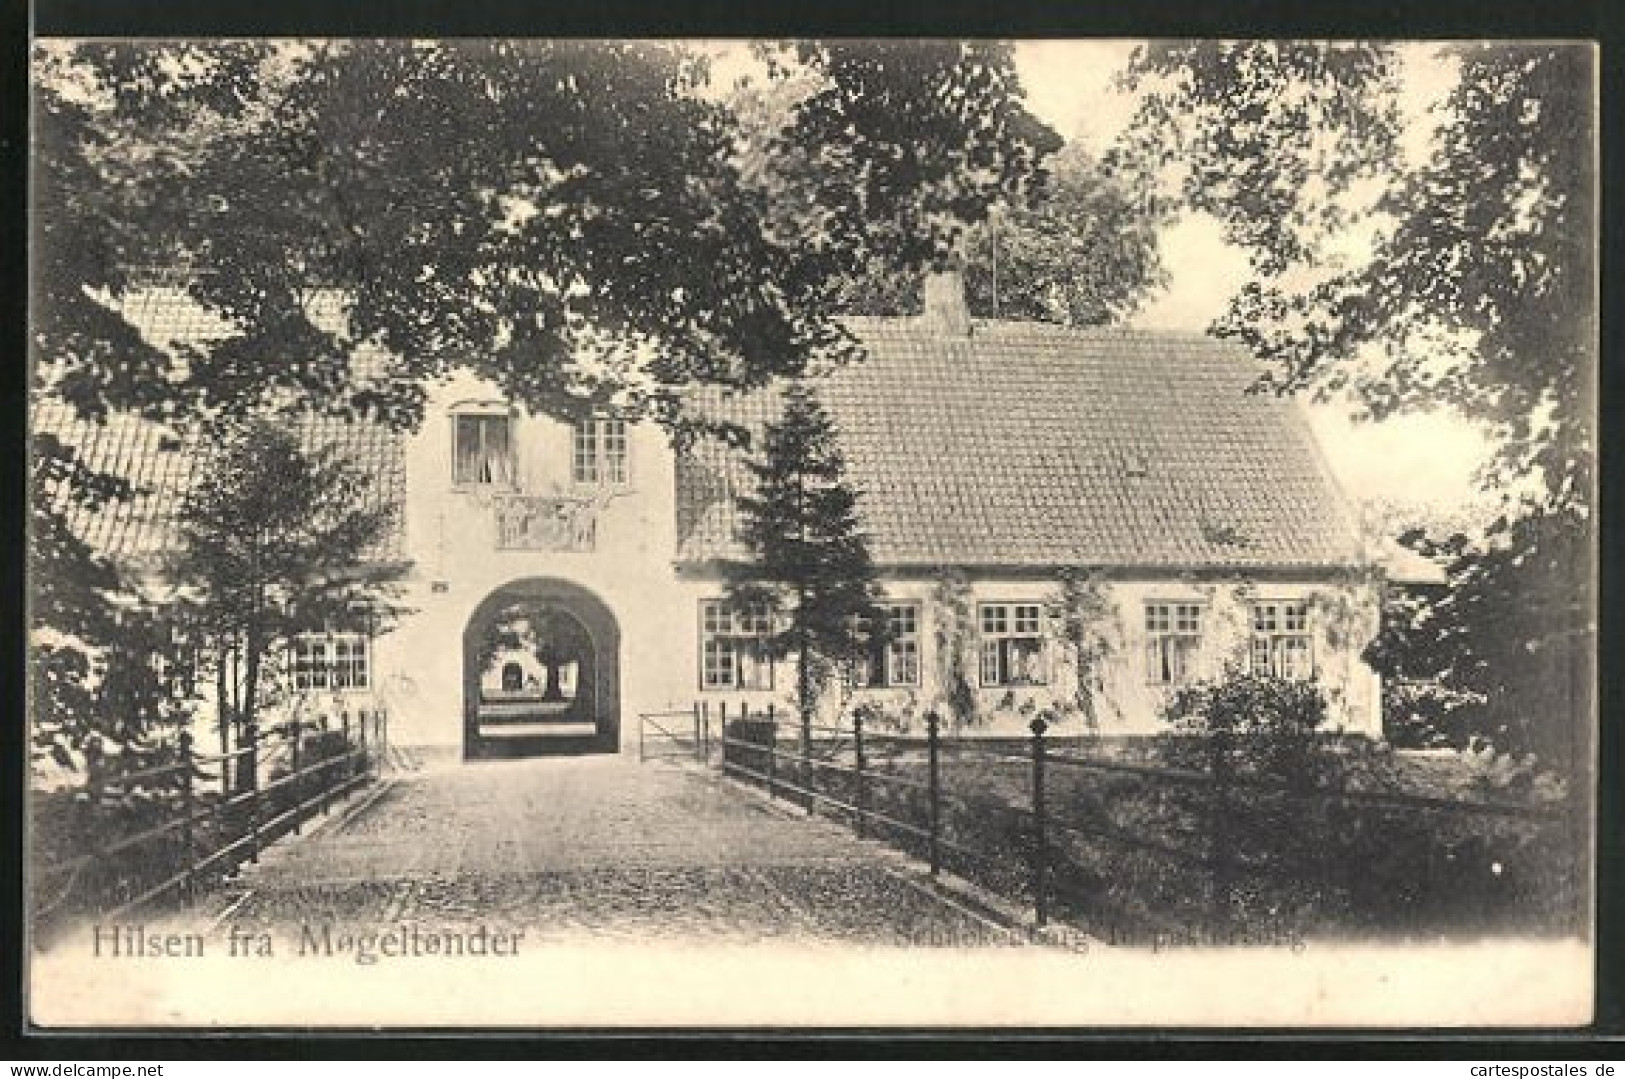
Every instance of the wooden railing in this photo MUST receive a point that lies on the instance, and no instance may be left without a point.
(672, 734)
(206, 813)
(1017, 839)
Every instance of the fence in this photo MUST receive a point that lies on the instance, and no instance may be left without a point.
(1227, 853)
(672, 734)
(196, 816)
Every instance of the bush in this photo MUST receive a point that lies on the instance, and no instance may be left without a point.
(1309, 861)
(1255, 724)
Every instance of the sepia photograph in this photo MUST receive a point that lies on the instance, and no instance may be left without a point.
(583, 534)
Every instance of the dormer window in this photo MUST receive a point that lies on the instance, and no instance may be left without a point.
(600, 455)
(482, 451)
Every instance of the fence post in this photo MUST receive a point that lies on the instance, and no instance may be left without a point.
(251, 783)
(221, 815)
(772, 751)
(699, 744)
(934, 788)
(640, 739)
(328, 782)
(704, 710)
(1222, 852)
(1040, 839)
(227, 764)
(724, 724)
(298, 783)
(805, 772)
(860, 791)
(188, 848)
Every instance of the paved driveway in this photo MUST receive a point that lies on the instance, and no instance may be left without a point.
(594, 847)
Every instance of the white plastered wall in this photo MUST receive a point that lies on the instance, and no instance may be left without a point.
(450, 539)
(1342, 621)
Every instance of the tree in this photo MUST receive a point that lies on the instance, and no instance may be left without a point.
(810, 566)
(1476, 293)
(274, 542)
(571, 219)
(1506, 640)
(1080, 251)
(81, 689)
(1074, 247)
(550, 638)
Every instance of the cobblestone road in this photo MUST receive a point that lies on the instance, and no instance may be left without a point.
(601, 847)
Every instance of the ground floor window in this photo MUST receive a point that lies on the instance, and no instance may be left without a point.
(334, 661)
(733, 646)
(1012, 644)
(1280, 642)
(1173, 637)
(895, 657)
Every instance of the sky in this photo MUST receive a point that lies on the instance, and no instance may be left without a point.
(1414, 458)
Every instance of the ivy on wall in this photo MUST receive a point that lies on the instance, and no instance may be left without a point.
(954, 619)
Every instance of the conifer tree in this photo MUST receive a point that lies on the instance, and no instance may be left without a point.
(810, 564)
(277, 541)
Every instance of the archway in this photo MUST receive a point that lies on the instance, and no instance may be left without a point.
(541, 672)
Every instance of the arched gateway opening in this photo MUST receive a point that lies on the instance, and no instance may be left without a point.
(541, 673)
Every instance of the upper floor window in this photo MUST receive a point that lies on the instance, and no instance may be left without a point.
(733, 646)
(1173, 636)
(332, 661)
(1280, 640)
(1012, 644)
(895, 659)
(482, 451)
(600, 451)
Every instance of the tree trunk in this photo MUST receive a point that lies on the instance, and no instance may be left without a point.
(803, 674)
(804, 693)
(250, 707)
(222, 683)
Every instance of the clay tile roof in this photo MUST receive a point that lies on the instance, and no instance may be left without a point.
(161, 467)
(161, 464)
(1029, 445)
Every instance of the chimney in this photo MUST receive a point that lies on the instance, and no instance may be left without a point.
(945, 311)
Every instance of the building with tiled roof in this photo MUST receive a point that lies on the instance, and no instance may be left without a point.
(162, 464)
(991, 461)
(1068, 447)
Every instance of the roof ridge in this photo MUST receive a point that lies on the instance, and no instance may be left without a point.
(1034, 326)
